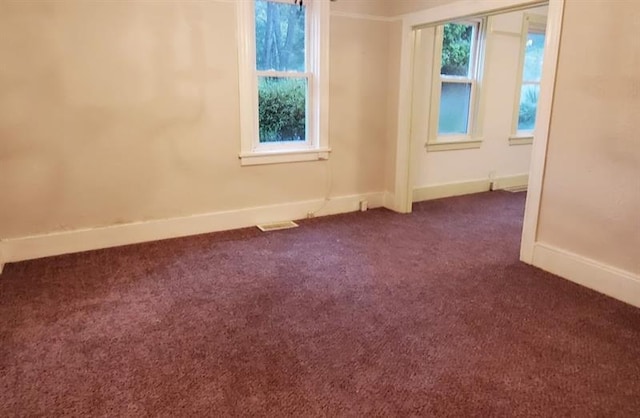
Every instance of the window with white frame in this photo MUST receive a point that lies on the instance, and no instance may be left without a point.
(457, 69)
(528, 89)
(283, 62)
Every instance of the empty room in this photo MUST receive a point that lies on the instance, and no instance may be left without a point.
(319, 208)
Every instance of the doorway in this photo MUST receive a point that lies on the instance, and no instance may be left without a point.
(409, 150)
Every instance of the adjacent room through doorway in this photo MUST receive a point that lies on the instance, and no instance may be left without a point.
(476, 84)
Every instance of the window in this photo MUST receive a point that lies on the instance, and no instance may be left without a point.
(528, 88)
(457, 55)
(283, 62)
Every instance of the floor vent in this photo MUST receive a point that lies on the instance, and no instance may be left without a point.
(516, 189)
(277, 226)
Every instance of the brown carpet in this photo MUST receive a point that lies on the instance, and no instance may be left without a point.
(364, 314)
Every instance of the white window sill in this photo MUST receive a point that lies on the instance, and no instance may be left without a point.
(453, 145)
(284, 156)
(526, 139)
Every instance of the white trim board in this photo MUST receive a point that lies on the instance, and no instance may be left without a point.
(389, 200)
(541, 132)
(619, 284)
(465, 8)
(438, 191)
(64, 242)
(506, 182)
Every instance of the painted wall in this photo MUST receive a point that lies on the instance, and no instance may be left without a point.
(386, 8)
(379, 8)
(496, 158)
(591, 193)
(398, 7)
(393, 67)
(114, 112)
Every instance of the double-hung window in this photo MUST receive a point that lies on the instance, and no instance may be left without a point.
(457, 69)
(528, 90)
(283, 60)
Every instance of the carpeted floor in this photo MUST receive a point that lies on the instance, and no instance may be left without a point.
(364, 314)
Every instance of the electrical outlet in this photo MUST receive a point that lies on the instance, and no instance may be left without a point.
(310, 215)
(364, 205)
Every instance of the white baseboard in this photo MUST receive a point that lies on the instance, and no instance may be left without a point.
(619, 284)
(390, 201)
(520, 180)
(2, 259)
(64, 242)
(438, 191)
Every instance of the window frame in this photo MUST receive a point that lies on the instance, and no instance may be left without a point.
(531, 23)
(316, 144)
(471, 139)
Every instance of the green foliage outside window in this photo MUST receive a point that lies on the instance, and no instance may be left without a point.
(282, 109)
(456, 49)
(528, 107)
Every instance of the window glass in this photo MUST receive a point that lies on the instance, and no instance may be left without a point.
(282, 108)
(455, 99)
(534, 52)
(456, 49)
(531, 75)
(528, 106)
(280, 36)
(283, 80)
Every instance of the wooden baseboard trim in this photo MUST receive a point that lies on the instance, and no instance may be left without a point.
(619, 284)
(438, 191)
(64, 242)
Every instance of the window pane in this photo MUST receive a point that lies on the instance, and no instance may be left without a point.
(528, 107)
(456, 49)
(280, 36)
(454, 108)
(533, 54)
(282, 107)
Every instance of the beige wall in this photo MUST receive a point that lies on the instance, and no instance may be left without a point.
(496, 158)
(386, 8)
(398, 7)
(363, 7)
(113, 112)
(591, 194)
